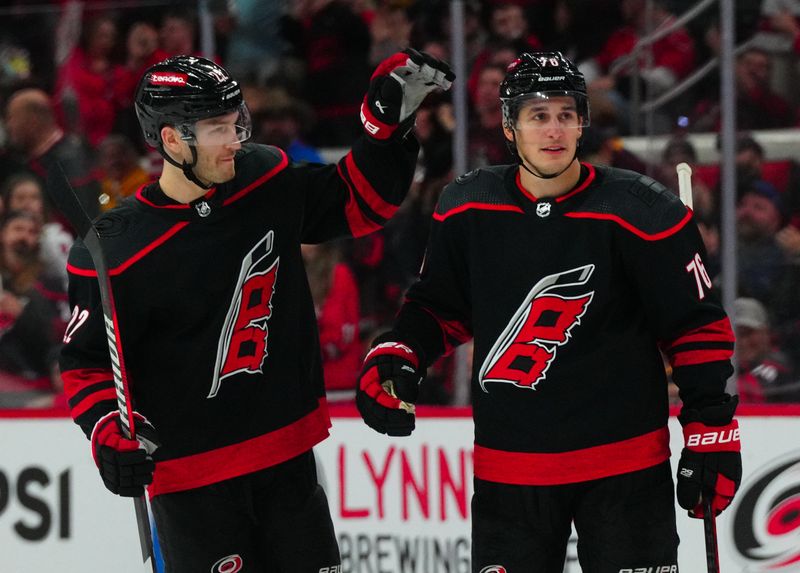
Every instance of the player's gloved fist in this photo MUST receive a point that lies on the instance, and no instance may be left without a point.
(126, 466)
(397, 88)
(388, 386)
(711, 462)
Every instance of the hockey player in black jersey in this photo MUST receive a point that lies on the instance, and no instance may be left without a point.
(216, 318)
(571, 278)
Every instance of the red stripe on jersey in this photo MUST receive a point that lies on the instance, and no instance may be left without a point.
(359, 224)
(367, 191)
(589, 178)
(140, 196)
(719, 331)
(479, 206)
(239, 459)
(261, 180)
(597, 462)
(626, 225)
(139, 255)
(691, 357)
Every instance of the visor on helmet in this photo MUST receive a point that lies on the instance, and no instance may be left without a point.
(522, 112)
(227, 129)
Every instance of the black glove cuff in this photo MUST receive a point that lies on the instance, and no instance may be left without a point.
(719, 414)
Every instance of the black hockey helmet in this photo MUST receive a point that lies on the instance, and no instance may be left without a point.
(541, 75)
(182, 90)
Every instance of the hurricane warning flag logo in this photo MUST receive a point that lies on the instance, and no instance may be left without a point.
(527, 346)
(766, 517)
(242, 346)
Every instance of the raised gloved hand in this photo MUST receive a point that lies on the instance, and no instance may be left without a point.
(711, 462)
(126, 466)
(388, 386)
(397, 88)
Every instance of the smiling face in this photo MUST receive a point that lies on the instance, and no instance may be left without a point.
(546, 133)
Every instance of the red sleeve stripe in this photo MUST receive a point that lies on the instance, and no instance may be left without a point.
(106, 395)
(626, 225)
(719, 331)
(452, 330)
(367, 191)
(359, 224)
(261, 180)
(77, 380)
(693, 357)
(138, 256)
(479, 206)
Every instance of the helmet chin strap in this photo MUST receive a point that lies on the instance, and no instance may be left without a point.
(187, 168)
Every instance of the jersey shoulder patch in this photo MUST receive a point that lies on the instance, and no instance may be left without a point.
(638, 202)
(484, 186)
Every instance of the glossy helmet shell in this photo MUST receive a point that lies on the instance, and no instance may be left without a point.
(181, 90)
(547, 73)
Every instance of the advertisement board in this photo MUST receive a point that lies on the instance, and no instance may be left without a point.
(400, 505)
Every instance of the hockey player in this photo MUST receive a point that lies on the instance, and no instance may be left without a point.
(569, 277)
(216, 318)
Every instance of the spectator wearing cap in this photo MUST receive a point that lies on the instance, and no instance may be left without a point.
(764, 372)
(762, 262)
(283, 122)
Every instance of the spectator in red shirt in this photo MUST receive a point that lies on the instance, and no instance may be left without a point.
(86, 87)
(757, 106)
(617, 66)
(336, 301)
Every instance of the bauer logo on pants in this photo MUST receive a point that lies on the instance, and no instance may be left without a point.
(242, 346)
(765, 524)
(527, 346)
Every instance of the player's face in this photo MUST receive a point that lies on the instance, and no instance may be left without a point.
(217, 143)
(547, 133)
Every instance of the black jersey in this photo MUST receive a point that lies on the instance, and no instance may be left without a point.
(570, 301)
(215, 315)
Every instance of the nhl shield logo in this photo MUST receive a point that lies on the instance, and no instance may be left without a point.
(203, 208)
(543, 209)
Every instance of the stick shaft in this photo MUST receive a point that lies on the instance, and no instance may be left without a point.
(685, 183)
(710, 529)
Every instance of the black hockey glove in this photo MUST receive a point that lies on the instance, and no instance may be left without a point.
(388, 386)
(397, 88)
(126, 466)
(711, 462)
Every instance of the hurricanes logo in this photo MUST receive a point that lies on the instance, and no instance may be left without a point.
(229, 564)
(242, 345)
(527, 346)
(766, 517)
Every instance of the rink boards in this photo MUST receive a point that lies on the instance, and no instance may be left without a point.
(400, 505)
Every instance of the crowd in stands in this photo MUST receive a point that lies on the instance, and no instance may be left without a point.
(68, 74)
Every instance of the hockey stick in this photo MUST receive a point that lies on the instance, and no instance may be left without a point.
(710, 529)
(685, 183)
(67, 202)
(709, 523)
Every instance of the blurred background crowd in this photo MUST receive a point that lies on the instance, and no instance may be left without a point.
(68, 71)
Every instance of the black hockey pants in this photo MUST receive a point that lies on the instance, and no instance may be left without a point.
(624, 523)
(272, 521)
